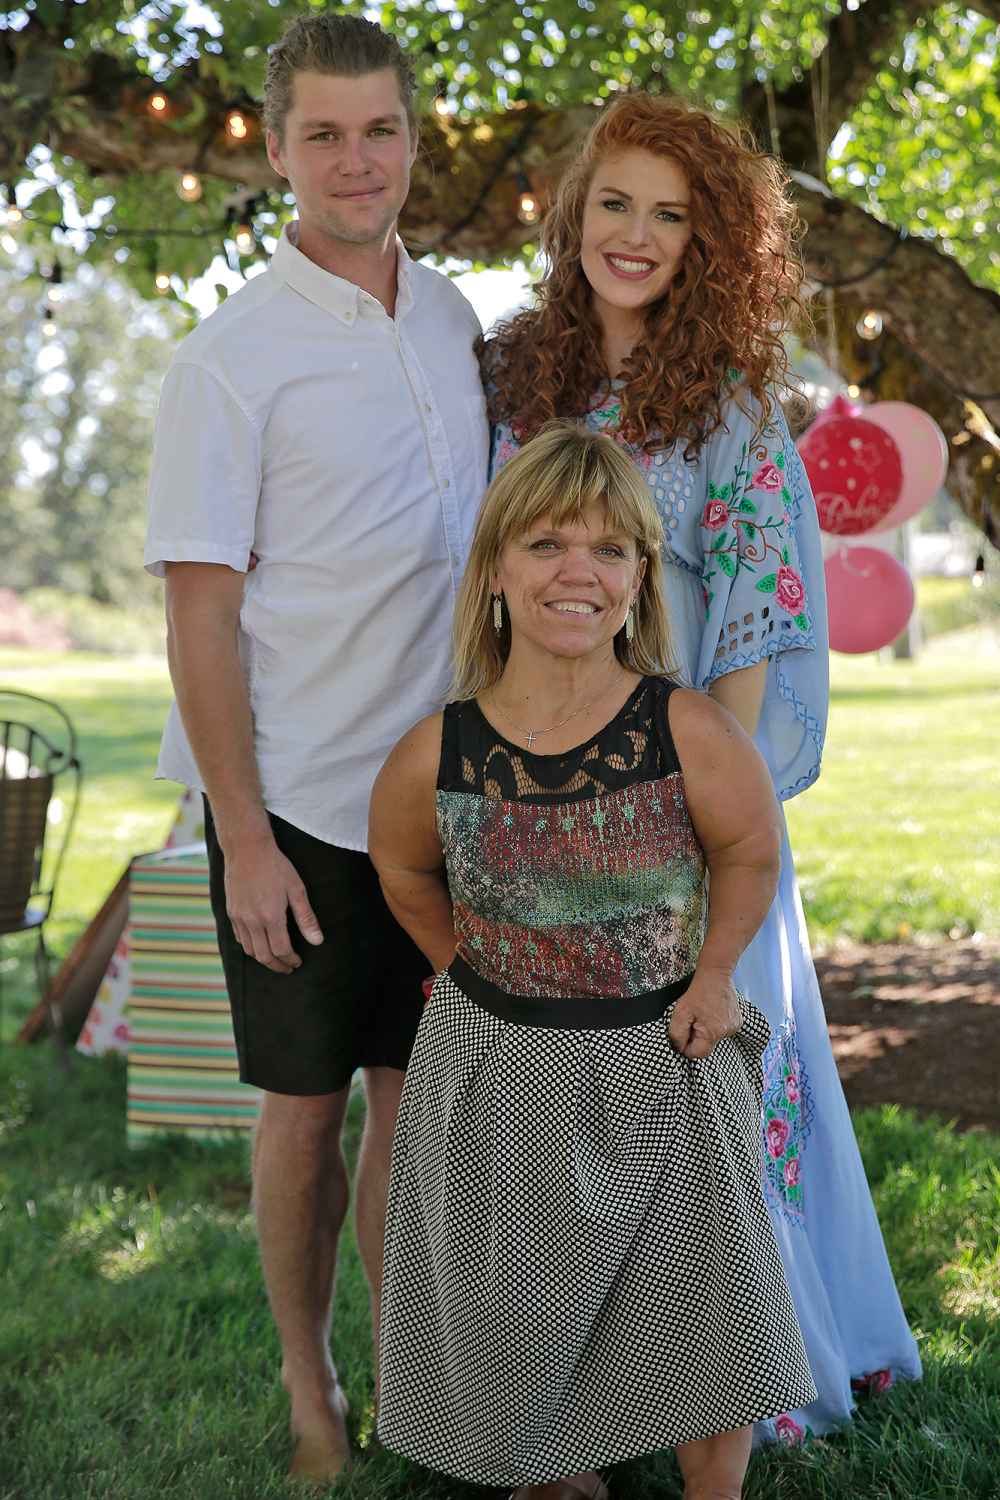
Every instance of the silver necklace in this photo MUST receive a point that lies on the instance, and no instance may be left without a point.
(531, 735)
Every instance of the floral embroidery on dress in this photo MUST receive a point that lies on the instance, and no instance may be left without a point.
(788, 1112)
(791, 1432)
(752, 536)
(873, 1384)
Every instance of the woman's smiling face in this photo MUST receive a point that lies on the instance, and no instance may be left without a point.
(636, 228)
(568, 588)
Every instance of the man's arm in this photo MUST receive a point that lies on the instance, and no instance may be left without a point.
(203, 602)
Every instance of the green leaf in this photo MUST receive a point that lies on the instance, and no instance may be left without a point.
(779, 460)
(727, 564)
(802, 621)
(786, 557)
(720, 541)
(747, 506)
(768, 584)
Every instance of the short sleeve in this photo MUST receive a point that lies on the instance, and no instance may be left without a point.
(764, 588)
(205, 478)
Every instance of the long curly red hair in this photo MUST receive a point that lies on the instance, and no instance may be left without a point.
(718, 326)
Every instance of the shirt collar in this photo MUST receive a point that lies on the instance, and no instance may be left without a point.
(333, 293)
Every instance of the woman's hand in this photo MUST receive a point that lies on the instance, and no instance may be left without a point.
(708, 1010)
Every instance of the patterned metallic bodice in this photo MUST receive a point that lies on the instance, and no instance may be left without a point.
(575, 874)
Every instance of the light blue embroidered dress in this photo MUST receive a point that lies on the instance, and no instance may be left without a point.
(744, 583)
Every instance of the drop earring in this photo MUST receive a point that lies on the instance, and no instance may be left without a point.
(498, 613)
(630, 624)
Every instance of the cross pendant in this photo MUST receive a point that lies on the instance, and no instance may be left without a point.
(531, 738)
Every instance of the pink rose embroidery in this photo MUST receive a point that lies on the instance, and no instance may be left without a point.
(789, 590)
(715, 515)
(788, 1429)
(768, 477)
(777, 1134)
(122, 1032)
(792, 1172)
(792, 1091)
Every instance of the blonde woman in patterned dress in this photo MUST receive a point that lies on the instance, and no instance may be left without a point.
(579, 1266)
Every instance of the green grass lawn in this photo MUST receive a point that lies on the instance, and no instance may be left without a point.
(137, 1357)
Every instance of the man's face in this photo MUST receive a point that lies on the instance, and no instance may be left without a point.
(347, 153)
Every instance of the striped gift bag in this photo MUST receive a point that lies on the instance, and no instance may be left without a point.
(182, 1070)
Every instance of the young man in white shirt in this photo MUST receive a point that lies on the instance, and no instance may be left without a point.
(329, 418)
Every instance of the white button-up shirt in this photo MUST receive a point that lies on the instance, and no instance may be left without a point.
(348, 450)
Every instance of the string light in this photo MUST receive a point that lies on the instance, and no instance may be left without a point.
(12, 215)
(158, 104)
(189, 187)
(441, 100)
(854, 391)
(979, 572)
(529, 210)
(8, 243)
(49, 329)
(162, 283)
(236, 125)
(870, 325)
(55, 291)
(244, 238)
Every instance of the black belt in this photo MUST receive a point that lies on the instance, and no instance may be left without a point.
(566, 1013)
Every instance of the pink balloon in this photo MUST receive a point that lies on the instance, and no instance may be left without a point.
(855, 471)
(869, 597)
(923, 449)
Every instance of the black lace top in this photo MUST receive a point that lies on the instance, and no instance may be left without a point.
(572, 874)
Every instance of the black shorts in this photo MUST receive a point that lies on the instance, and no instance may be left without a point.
(355, 1001)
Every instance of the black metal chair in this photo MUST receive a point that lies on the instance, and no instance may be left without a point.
(33, 761)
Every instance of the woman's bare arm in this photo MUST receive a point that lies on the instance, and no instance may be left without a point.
(736, 820)
(742, 692)
(404, 846)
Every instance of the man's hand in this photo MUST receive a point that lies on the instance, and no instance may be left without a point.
(261, 884)
(707, 1011)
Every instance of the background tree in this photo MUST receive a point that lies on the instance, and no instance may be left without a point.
(886, 109)
(76, 417)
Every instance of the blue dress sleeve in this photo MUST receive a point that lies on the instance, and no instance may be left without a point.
(764, 587)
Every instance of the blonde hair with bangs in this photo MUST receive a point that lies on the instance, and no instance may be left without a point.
(560, 473)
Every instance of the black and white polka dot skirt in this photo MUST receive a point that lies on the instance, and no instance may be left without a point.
(579, 1267)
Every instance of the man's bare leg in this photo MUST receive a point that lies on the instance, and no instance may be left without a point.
(714, 1468)
(300, 1199)
(383, 1087)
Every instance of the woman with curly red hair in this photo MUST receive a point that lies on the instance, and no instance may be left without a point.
(671, 277)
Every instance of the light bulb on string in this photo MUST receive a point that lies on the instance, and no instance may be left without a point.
(158, 104)
(870, 325)
(55, 291)
(49, 329)
(189, 187)
(854, 391)
(979, 572)
(236, 125)
(12, 215)
(244, 239)
(529, 209)
(441, 100)
(162, 283)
